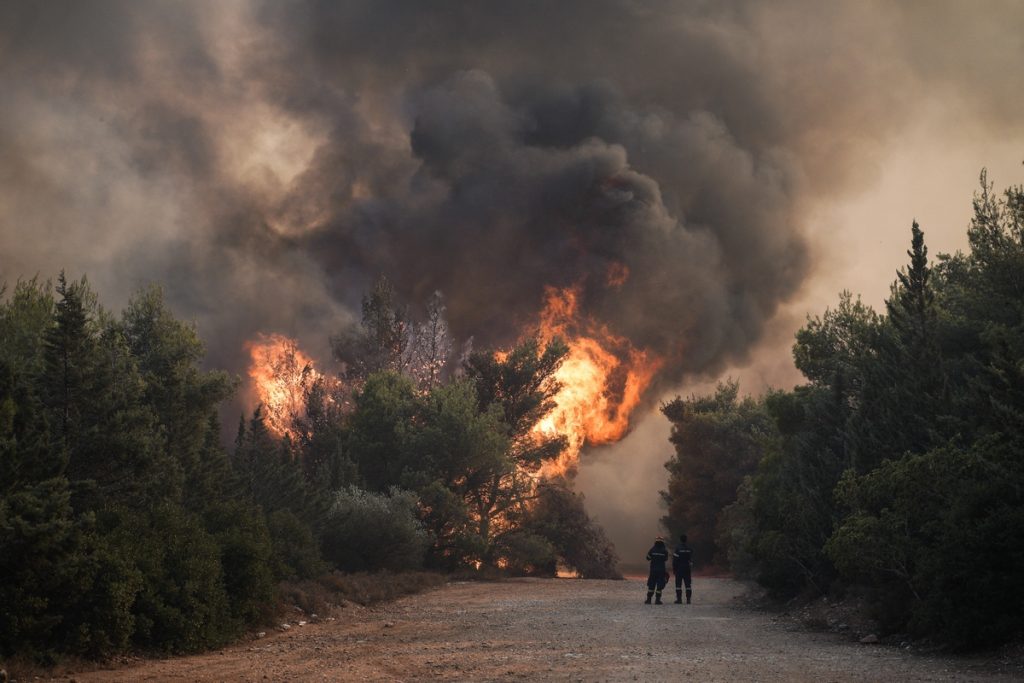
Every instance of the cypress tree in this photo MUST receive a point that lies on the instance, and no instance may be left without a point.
(904, 404)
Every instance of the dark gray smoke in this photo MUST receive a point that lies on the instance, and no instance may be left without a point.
(510, 196)
(266, 161)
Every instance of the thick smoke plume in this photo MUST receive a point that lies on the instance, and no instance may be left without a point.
(266, 161)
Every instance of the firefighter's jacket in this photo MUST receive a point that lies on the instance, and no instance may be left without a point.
(682, 559)
(658, 556)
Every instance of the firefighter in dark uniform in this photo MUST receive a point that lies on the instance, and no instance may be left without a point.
(682, 563)
(656, 580)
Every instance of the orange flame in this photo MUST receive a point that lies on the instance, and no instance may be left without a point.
(281, 373)
(617, 274)
(602, 380)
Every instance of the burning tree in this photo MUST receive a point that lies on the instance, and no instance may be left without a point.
(473, 442)
(523, 383)
(600, 380)
(282, 378)
(517, 386)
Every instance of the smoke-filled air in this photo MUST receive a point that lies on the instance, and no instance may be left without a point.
(657, 190)
(266, 162)
(636, 177)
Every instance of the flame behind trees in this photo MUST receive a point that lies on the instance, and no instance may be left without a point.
(283, 377)
(285, 381)
(522, 384)
(593, 378)
(599, 383)
(464, 439)
(293, 392)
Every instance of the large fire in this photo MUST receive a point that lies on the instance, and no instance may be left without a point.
(602, 380)
(281, 373)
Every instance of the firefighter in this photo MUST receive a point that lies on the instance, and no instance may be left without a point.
(682, 563)
(656, 580)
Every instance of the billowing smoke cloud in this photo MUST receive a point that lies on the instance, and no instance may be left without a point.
(265, 161)
(509, 197)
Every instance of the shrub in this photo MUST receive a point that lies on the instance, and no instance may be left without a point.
(559, 517)
(367, 588)
(367, 531)
(245, 557)
(295, 554)
(182, 605)
(937, 536)
(62, 589)
(522, 552)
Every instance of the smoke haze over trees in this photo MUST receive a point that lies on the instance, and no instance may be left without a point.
(288, 153)
(265, 162)
(897, 468)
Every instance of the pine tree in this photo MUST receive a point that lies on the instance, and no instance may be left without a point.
(271, 475)
(718, 440)
(377, 438)
(70, 357)
(320, 438)
(183, 398)
(904, 405)
(521, 387)
(381, 342)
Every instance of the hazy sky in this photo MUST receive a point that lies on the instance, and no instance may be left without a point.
(265, 161)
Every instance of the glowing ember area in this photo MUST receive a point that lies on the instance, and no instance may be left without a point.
(618, 273)
(281, 373)
(603, 378)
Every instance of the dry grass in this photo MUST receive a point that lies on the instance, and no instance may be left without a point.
(26, 669)
(324, 594)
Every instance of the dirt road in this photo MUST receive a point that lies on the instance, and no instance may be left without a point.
(558, 630)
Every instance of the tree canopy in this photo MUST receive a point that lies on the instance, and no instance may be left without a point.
(897, 467)
(125, 523)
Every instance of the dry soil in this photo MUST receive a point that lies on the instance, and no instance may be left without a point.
(554, 630)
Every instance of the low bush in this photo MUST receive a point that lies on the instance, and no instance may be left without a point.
(367, 531)
(521, 552)
(182, 605)
(295, 554)
(245, 557)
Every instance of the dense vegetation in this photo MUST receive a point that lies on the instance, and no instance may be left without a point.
(124, 522)
(898, 468)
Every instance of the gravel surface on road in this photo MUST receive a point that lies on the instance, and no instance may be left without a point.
(554, 630)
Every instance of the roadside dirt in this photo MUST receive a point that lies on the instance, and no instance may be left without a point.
(556, 630)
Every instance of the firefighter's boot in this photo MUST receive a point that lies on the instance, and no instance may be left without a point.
(679, 596)
(688, 594)
(648, 600)
(657, 598)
